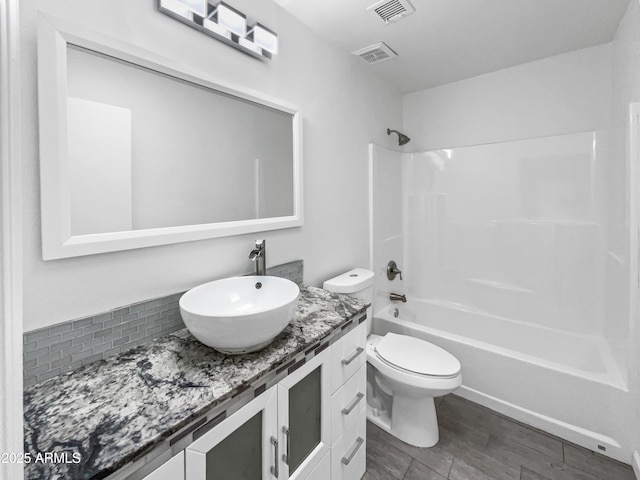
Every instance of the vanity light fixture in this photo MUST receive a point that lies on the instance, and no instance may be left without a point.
(181, 9)
(212, 26)
(230, 18)
(198, 7)
(264, 38)
(225, 23)
(246, 43)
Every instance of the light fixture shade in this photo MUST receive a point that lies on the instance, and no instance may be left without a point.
(265, 38)
(215, 28)
(231, 19)
(246, 43)
(197, 6)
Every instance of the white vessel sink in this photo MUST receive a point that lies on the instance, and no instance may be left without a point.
(239, 314)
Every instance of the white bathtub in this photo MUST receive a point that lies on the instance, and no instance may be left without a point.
(534, 374)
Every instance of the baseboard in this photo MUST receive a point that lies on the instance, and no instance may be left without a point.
(572, 433)
(636, 464)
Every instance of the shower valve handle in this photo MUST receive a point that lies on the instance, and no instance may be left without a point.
(392, 270)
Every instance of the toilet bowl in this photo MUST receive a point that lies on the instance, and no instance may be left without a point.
(404, 374)
(408, 374)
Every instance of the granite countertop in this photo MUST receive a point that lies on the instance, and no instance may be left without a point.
(113, 411)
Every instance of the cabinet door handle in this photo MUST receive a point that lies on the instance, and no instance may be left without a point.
(347, 410)
(274, 468)
(347, 361)
(347, 460)
(285, 454)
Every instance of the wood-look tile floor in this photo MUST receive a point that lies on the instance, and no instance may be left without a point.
(479, 444)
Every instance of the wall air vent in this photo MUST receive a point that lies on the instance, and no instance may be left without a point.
(391, 10)
(376, 53)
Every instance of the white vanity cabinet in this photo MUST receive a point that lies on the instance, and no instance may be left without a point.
(348, 405)
(171, 470)
(310, 426)
(244, 446)
(304, 419)
(348, 355)
(284, 433)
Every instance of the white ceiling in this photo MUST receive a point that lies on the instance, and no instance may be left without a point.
(449, 40)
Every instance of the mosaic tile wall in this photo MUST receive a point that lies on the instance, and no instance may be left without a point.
(61, 348)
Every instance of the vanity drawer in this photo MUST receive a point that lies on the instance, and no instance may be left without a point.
(348, 355)
(347, 404)
(348, 455)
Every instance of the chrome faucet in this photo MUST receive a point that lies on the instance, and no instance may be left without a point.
(396, 297)
(259, 255)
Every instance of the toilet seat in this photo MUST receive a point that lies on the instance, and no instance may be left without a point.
(416, 356)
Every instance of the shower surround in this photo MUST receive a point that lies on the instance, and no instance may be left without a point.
(513, 263)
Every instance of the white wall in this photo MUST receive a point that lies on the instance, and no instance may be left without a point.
(626, 89)
(344, 108)
(564, 94)
(626, 64)
(11, 399)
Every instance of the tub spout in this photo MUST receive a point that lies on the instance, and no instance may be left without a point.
(396, 297)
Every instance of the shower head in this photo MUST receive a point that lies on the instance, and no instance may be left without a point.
(402, 138)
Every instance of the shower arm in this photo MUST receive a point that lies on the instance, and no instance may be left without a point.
(402, 138)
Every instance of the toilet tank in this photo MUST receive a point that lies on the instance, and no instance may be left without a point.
(356, 283)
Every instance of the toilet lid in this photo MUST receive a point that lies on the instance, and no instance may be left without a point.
(417, 356)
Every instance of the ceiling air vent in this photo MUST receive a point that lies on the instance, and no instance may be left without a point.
(376, 53)
(391, 10)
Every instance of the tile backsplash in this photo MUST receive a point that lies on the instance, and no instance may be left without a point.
(293, 271)
(64, 347)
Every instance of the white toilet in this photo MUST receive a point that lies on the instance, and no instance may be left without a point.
(404, 374)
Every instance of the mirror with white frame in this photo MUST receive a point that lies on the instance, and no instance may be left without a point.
(136, 151)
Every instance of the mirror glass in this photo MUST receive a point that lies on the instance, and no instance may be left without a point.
(147, 150)
(136, 150)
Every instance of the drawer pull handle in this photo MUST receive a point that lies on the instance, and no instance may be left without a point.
(347, 410)
(285, 455)
(274, 467)
(347, 361)
(347, 460)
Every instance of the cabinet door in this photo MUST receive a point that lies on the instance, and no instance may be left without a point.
(323, 470)
(243, 447)
(304, 421)
(171, 470)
